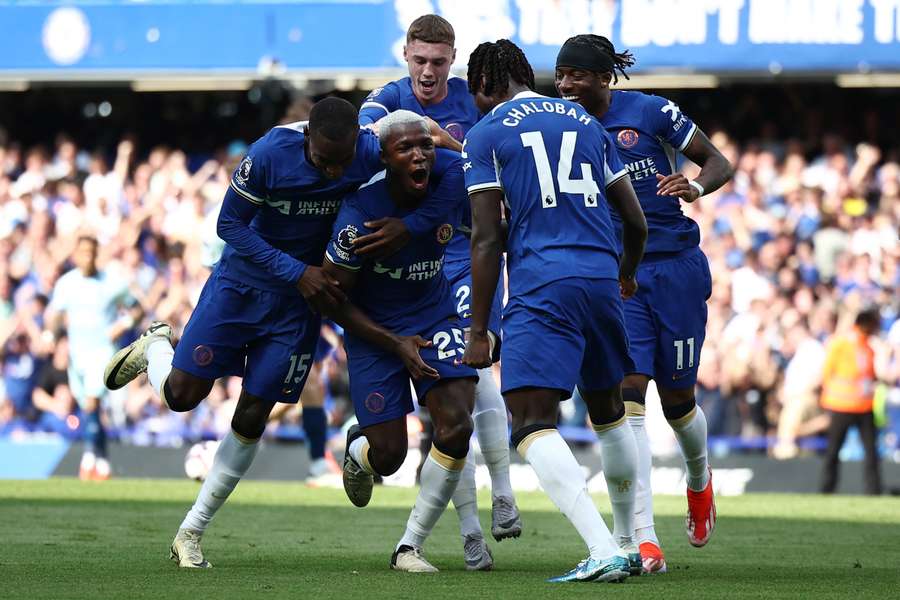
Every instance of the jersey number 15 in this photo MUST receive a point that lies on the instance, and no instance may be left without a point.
(586, 186)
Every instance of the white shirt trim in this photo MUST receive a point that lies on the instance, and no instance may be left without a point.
(688, 137)
(338, 264)
(485, 186)
(247, 195)
(366, 105)
(519, 96)
(611, 177)
(375, 178)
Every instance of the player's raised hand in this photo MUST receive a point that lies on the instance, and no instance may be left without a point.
(478, 351)
(408, 350)
(442, 137)
(389, 235)
(320, 290)
(676, 184)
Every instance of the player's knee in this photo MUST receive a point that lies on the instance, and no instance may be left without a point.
(182, 393)
(634, 402)
(388, 457)
(251, 416)
(452, 435)
(677, 403)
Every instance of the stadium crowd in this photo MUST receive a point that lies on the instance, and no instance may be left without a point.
(803, 237)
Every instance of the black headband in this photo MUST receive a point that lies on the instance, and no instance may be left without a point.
(584, 56)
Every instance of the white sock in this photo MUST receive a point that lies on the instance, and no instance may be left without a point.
(643, 495)
(159, 363)
(438, 480)
(232, 460)
(619, 452)
(563, 480)
(359, 450)
(690, 431)
(492, 429)
(465, 500)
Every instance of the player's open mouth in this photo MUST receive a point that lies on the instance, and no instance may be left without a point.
(419, 177)
(427, 85)
(571, 98)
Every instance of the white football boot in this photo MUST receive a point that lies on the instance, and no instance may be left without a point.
(131, 361)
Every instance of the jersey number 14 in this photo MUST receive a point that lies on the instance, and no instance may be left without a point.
(586, 186)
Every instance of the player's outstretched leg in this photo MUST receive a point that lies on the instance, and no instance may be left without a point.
(689, 424)
(450, 404)
(492, 429)
(561, 477)
(619, 452)
(477, 555)
(233, 458)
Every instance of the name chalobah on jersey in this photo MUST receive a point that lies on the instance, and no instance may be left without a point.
(532, 107)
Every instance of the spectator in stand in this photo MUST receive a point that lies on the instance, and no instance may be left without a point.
(807, 227)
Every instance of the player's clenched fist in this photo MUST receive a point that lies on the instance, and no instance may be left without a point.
(320, 290)
(408, 350)
(478, 351)
(628, 286)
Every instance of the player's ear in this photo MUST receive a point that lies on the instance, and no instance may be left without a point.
(404, 53)
(605, 79)
(453, 57)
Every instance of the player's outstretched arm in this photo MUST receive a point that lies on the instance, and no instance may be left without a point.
(487, 247)
(715, 171)
(634, 232)
(357, 323)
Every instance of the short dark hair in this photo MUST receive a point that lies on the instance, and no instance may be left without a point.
(869, 317)
(432, 29)
(498, 62)
(335, 118)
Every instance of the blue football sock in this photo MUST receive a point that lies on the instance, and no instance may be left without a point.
(315, 425)
(94, 434)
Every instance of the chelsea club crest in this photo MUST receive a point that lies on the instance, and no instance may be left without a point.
(444, 233)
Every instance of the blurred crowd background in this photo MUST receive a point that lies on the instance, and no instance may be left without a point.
(803, 237)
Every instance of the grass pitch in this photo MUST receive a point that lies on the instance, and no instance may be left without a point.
(67, 539)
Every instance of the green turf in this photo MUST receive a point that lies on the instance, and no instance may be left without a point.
(67, 539)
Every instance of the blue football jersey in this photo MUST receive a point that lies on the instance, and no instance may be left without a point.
(553, 161)
(456, 114)
(298, 204)
(648, 130)
(407, 291)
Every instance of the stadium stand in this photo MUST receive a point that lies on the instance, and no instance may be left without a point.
(804, 235)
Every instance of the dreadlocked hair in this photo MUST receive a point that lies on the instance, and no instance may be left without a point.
(620, 60)
(498, 62)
